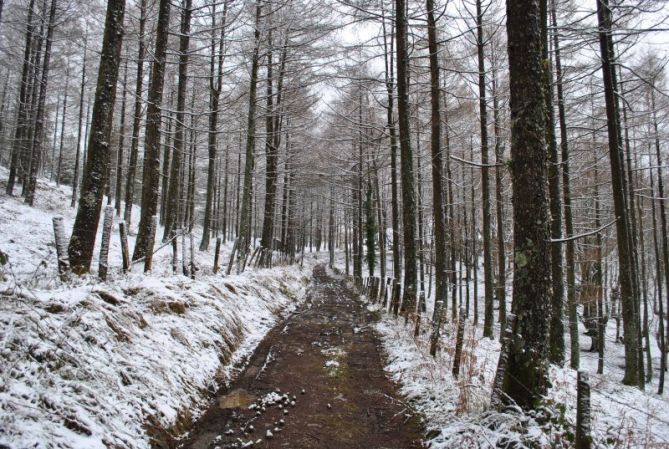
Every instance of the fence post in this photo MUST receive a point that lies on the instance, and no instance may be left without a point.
(184, 260)
(103, 266)
(397, 291)
(496, 397)
(175, 251)
(459, 339)
(232, 257)
(216, 253)
(61, 247)
(192, 255)
(125, 253)
(148, 259)
(583, 438)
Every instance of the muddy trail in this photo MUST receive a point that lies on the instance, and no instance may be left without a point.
(315, 381)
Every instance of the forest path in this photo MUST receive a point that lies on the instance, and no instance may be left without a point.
(315, 381)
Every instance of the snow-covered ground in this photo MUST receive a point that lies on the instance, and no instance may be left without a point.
(85, 364)
(456, 409)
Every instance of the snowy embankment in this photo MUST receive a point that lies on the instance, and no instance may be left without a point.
(456, 409)
(85, 364)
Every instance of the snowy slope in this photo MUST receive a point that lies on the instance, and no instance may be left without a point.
(455, 409)
(85, 364)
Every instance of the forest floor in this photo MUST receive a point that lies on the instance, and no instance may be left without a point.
(316, 380)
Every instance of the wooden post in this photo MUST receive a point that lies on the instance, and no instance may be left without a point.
(382, 290)
(242, 267)
(387, 295)
(175, 252)
(125, 253)
(254, 254)
(61, 247)
(458, 343)
(148, 259)
(184, 260)
(232, 257)
(192, 256)
(216, 254)
(583, 438)
(397, 290)
(496, 397)
(420, 311)
(422, 305)
(103, 266)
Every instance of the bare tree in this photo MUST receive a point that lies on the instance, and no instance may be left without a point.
(151, 170)
(526, 378)
(85, 227)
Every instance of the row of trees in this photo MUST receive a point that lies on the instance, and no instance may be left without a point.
(404, 166)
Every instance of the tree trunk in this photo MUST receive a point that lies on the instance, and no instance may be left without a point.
(215, 86)
(174, 193)
(245, 217)
(568, 212)
(665, 244)
(390, 123)
(488, 282)
(85, 227)
(623, 232)
(556, 337)
(527, 377)
(499, 203)
(22, 114)
(121, 142)
(80, 127)
(59, 167)
(151, 170)
(406, 161)
(441, 277)
(137, 119)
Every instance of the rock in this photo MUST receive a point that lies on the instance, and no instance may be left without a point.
(269, 435)
(238, 398)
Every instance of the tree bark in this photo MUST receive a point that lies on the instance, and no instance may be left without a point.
(499, 203)
(556, 336)
(623, 232)
(151, 170)
(121, 142)
(245, 217)
(568, 212)
(174, 193)
(59, 167)
(527, 377)
(215, 86)
(80, 127)
(406, 161)
(82, 242)
(22, 114)
(488, 282)
(137, 119)
(441, 277)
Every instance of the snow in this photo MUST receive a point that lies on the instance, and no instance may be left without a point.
(85, 364)
(456, 410)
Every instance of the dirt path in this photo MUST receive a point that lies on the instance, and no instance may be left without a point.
(316, 381)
